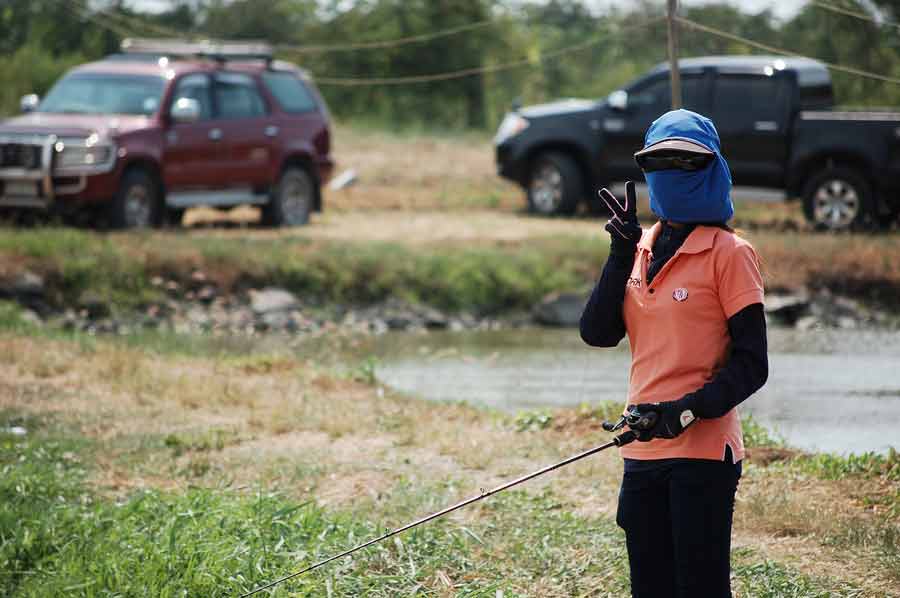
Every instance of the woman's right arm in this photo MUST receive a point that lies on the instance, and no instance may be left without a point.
(602, 324)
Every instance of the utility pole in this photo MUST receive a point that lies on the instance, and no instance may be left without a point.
(674, 74)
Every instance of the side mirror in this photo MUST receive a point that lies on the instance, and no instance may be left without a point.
(185, 110)
(618, 100)
(29, 103)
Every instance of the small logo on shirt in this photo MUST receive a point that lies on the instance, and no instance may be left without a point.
(634, 282)
(680, 294)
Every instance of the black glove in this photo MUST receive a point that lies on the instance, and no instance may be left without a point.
(660, 420)
(623, 228)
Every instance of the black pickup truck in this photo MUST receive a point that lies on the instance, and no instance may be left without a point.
(775, 119)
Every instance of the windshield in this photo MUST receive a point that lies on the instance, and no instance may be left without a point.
(104, 94)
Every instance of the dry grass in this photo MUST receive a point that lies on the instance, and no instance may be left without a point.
(172, 422)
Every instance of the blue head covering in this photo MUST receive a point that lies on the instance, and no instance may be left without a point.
(689, 196)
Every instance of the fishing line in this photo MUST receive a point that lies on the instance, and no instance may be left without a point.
(620, 440)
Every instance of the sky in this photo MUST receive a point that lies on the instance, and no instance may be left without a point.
(782, 9)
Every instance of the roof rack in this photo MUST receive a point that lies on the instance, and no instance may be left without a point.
(216, 50)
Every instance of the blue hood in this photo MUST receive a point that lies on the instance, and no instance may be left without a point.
(683, 196)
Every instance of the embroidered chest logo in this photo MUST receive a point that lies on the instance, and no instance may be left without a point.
(680, 294)
(634, 282)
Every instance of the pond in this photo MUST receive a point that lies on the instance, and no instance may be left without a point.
(828, 390)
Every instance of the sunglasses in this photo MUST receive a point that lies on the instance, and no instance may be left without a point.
(674, 161)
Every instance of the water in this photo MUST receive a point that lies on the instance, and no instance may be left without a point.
(828, 390)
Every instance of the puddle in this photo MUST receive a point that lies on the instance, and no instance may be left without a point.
(832, 390)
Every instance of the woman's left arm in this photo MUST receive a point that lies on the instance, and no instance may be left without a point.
(745, 371)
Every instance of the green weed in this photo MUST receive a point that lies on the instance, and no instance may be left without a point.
(755, 434)
(57, 539)
(835, 467)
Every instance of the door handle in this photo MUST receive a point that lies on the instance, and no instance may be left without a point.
(765, 125)
(271, 131)
(215, 134)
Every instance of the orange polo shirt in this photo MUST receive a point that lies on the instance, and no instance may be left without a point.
(678, 330)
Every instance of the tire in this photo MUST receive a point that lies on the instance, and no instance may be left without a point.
(292, 200)
(838, 199)
(137, 204)
(556, 185)
(175, 216)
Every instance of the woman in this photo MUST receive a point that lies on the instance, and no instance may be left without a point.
(688, 293)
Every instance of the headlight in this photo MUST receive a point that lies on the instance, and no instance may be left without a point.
(83, 155)
(512, 125)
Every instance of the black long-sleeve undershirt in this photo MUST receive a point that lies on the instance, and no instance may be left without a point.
(746, 369)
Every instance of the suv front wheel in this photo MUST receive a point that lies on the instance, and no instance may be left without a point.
(555, 186)
(137, 204)
(292, 199)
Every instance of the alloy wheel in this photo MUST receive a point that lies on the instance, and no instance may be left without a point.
(836, 204)
(547, 189)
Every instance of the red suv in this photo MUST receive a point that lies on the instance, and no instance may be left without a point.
(141, 136)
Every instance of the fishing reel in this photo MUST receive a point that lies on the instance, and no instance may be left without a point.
(633, 419)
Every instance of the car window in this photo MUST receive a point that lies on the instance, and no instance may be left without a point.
(746, 98)
(237, 96)
(104, 94)
(290, 92)
(655, 98)
(195, 87)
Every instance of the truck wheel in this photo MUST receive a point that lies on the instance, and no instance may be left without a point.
(837, 199)
(556, 185)
(137, 203)
(175, 216)
(291, 200)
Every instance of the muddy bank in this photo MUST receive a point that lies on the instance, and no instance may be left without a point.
(200, 305)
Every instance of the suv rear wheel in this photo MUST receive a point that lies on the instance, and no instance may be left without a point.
(555, 186)
(137, 204)
(292, 199)
(837, 199)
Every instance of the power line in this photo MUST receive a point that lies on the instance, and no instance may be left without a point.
(468, 72)
(119, 20)
(767, 48)
(853, 13)
(401, 41)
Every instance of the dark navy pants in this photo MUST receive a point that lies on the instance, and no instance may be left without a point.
(677, 521)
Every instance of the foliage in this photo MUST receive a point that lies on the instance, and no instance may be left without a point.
(530, 421)
(756, 435)
(836, 467)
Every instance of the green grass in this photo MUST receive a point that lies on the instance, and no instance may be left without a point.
(486, 279)
(59, 538)
(756, 434)
(835, 467)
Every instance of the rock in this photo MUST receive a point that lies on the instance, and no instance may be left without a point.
(207, 294)
(433, 319)
(560, 309)
(94, 306)
(808, 323)
(27, 284)
(272, 299)
(30, 317)
(399, 322)
(275, 320)
(25, 287)
(17, 431)
(787, 309)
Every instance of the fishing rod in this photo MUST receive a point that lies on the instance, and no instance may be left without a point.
(620, 440)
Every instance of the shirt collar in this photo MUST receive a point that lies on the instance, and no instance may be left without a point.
(700, 239)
